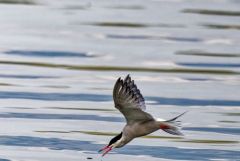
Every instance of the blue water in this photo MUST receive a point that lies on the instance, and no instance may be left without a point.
(155, 151)
(45, 53)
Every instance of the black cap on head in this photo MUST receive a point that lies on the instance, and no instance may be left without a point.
(115, 139)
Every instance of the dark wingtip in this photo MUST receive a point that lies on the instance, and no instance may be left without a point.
(118, 80)
(127, 78)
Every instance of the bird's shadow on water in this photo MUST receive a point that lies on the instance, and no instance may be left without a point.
(154, 151)
(107, 98)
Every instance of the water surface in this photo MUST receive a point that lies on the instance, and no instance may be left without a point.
(59, 61)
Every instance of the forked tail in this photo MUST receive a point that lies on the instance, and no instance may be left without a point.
(172, 126)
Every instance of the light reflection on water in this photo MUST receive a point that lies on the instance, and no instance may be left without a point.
(107, 98)
(59, 61)
(155, 151)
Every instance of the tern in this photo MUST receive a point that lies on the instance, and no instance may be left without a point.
(130, 102)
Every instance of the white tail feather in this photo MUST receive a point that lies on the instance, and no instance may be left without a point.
(172, 126)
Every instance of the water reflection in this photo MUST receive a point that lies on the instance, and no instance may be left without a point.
(192, 102)
(106, 98)
(30, 53)
(210, 65)
(170, 138)
(229, 121)
(231, 113)
(81, 109)
(46, 57)
(25, 76)
(98, 133)
(122, 68)
(62, 117)
(77, 7)
(132, 25)
(233, 131)
(155, 151)
(126, 7)
(212, 12)
(25, 2)
(221, 26)
(154, 37)
(207, 54)
(55, 96)
(7, 84)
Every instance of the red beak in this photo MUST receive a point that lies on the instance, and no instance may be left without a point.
(106, 149)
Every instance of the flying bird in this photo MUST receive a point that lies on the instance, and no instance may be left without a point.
(130, 102)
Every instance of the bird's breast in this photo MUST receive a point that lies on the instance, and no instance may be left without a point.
(140, 129)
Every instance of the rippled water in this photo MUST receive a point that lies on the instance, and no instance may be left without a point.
(59, 61)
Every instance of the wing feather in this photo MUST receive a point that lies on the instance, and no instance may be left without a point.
(129, 100)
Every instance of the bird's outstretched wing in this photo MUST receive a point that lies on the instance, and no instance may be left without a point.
(129, 101)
